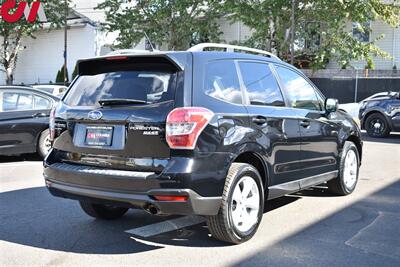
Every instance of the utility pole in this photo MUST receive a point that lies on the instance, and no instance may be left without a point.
(292, 33)
(65, 41)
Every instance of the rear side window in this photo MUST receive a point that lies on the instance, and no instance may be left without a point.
(261, 85)
(147, 85)
(41, 103)
(300, 92)
(222, 81)
(17, 101)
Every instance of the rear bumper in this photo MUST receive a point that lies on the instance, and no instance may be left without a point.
(202, 184)
(194, 205)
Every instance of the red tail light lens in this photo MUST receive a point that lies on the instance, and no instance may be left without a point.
(117, 58)
(171, 198)
(184, 126)
(52, 124)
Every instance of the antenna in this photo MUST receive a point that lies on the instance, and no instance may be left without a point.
(151, 44)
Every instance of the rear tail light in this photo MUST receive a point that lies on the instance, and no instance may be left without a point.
(52, 124)
(184, 126)
(171, 198)
(117, 58)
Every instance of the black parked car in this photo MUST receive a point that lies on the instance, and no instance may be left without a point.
(380, 114)
(205, 133)
(24, 120)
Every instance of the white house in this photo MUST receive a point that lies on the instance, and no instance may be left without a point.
(43, 56)
(390, 43)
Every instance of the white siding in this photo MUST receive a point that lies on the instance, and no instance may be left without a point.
(236, 31)
(40, 61)
(387, 43)
(86, 7)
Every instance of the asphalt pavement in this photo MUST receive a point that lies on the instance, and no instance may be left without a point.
(310, 228)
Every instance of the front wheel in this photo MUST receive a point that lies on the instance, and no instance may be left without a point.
(349, 167)
(242, 205)
(106, 212)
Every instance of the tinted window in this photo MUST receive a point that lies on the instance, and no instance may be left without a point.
(41, 103)
(25, 102)
(300, 92)
(222, 81)
(261, 84)
(17, 101)
(9, 101)
(149, 86)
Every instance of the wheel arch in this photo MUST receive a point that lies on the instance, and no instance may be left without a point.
(358, 143)
(255, 160)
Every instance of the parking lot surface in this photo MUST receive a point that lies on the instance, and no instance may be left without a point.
(311, 228)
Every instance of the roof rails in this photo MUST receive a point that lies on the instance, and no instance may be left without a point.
(231, 48)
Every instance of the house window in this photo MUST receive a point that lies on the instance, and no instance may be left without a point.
(361, 31)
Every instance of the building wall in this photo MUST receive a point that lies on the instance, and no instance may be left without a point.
(236, 31)
(389, 43)
(43, 56)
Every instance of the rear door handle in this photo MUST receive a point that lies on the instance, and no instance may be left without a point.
(305, 123)
(39, 115)
(260, 120)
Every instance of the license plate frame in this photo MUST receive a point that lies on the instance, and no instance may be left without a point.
(99, 136)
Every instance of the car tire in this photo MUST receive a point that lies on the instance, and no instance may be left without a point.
(105, 212)
(377, 126)
(349, 167)
(236, 205)
(44, 144)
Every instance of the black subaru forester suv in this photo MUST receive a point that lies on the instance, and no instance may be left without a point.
(205, 133)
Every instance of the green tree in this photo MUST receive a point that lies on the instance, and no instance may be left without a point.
(60, 75)
(75, 72)
(320, 31)
(12, 34)
(177, 24)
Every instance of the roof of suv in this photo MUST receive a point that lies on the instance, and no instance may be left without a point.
(178, 57)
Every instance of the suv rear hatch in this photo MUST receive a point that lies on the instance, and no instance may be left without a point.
(116, 109)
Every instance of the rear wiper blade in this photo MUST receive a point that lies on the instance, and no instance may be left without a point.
(120, 101)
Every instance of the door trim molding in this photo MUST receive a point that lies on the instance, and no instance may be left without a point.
(294, 186)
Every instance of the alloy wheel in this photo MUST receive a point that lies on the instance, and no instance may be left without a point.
(245, 204)
(350, 169)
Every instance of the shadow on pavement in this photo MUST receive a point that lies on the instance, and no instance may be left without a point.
(393, 138)
(32, 217)
(24, 157)
(365, 233)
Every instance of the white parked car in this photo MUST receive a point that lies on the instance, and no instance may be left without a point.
(56, 90)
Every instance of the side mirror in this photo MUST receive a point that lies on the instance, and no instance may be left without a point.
(331, 105)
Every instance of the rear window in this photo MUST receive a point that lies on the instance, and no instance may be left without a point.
(147, 85)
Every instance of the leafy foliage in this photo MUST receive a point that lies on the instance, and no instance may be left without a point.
(75, 72)
(321, 32)
(176, 24)
(60, 75)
